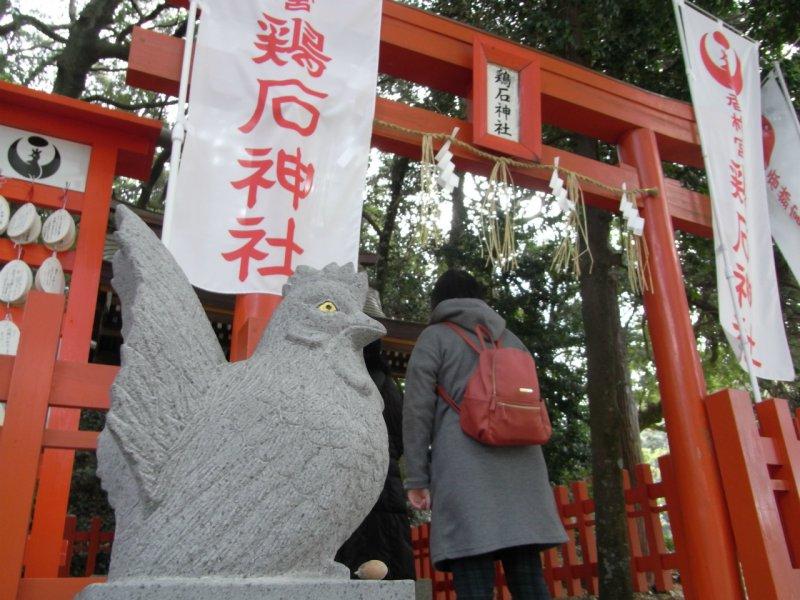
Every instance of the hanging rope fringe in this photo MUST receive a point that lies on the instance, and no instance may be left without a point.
(639, 276)
(576, 236)
(500, 242)
(428, 166)
(512, 162)
(428, 187)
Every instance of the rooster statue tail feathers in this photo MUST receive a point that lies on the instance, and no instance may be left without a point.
(169, 358)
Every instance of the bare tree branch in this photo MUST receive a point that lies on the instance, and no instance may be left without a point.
(126, 106)
(36, 72)
(106, 49)
(372, 222)
(19, 20)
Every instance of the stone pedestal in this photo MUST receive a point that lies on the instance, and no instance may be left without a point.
(268, 588)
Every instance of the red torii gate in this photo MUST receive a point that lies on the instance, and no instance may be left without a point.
(647, 129)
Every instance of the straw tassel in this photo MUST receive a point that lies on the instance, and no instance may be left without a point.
(500, 242)
(568, 255)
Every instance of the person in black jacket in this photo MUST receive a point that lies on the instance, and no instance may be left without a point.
(385, 533)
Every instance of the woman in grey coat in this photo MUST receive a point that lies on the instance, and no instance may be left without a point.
(488, 502)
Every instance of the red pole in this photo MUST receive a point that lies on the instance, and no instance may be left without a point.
(709, 550)
(250, 318)
(55, 473)
(23, 431)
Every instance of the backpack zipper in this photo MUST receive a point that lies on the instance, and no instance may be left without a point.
(520, 406)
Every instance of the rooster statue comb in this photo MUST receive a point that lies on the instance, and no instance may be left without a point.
(258, 468)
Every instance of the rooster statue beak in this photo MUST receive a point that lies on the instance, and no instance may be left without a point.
(363, 330)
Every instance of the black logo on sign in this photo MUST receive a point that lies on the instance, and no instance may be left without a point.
(34, 157)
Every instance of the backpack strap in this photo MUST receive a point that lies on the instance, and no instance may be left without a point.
(481, 332)
(447, 398)
(462, 334)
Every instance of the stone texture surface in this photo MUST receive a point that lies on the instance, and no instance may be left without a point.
(213, 588)
(253, 469)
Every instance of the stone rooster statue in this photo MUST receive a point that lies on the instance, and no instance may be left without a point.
(255, 469)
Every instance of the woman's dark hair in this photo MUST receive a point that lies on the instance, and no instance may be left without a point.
(455, 283)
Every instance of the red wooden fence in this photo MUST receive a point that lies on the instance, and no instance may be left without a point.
(571, 570)
(89, 543)
(759, 457)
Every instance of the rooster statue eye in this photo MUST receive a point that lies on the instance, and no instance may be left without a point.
(328, 307)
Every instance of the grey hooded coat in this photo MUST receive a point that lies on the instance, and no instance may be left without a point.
(484, 498)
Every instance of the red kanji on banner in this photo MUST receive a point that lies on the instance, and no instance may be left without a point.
(733, 101)
(784, 197)
(744, 290)
(299, 5)
(290, 248)
(256, 180)
(741, 236)
(750, 341)
(773, 179)
(739, 146)
(273, 42)
(305, 46)
(249, 251)
(266, 86)
(294, 176)
(737, 181)
(736, 122)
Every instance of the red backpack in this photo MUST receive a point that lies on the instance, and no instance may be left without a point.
(502, 404)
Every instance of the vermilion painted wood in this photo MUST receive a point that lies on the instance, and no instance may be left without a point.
(489, 49)
(688, 210)
(437, 52)
(23, 430)
(34, 254)
(121, 143)
(46, 196)
(636, 552)
(776, 423)
(402, 115)
(585, 527)
(682, 387)
(765, 527)
(251, 316)
(64, 588)
(568, 572)
(85, 123)
(93, 542)
(646, 493)
(676, 522)
(56, 467)
(82, 385)
(75, 384)
(70, 440)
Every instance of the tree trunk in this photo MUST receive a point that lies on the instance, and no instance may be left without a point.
(155, 174)
(613, 416)
(397, 175)
(84, 47)
(605, 384)
(452, 251)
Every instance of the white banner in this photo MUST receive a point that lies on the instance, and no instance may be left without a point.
(782, 162)
(43, 158)
(725, 86)
(278, 132)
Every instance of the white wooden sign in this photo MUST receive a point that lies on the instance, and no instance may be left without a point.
(43, 159)
(503, 102)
